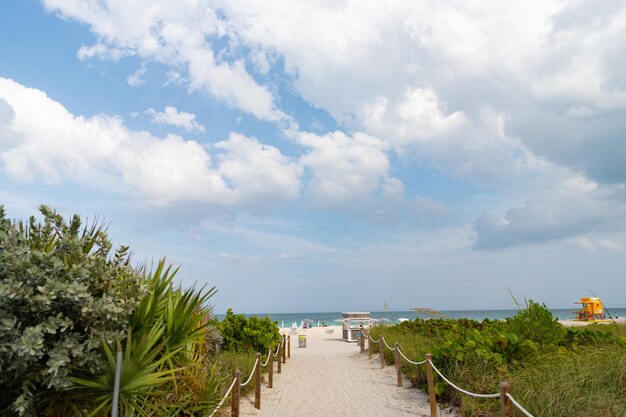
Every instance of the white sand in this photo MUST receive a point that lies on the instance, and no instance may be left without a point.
(331, 378)
(575, 323)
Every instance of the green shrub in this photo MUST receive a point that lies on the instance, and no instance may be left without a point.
(536, 323)
(62, 293)
(554, 371)
(242, 334)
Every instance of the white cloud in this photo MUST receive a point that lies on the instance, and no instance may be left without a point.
(239, 259)
(174, 34)
(136, 79)
(171, 116)
(517, 97)
(408, 73)
(43, 141)
(591, 245)
(257, 173)
(344, 169)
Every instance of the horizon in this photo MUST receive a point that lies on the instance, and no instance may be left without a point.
(310, 156)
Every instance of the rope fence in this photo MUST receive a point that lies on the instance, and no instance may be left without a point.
(519, 407)
(251, 374)
(506, 398)
(471, 394)
(232, 385)
(283, 349)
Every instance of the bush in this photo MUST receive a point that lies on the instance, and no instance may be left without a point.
(536, 323)
(243, 334)
(62, 293)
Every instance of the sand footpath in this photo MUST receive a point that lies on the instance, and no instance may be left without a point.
(331, 378)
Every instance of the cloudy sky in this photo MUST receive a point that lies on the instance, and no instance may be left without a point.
(324, 156)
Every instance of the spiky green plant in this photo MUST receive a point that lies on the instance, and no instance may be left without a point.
(144, 369)
(182, 312)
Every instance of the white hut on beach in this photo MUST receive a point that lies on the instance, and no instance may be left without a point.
(353, 322)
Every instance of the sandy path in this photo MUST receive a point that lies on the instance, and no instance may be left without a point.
(330, 378)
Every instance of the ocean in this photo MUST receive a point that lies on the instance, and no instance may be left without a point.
(328, 318)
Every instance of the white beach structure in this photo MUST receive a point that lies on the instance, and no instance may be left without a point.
(353, 322)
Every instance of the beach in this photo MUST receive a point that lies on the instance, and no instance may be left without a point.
(331, 377)
(576, 323)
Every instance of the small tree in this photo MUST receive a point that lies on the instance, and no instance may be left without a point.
(62, 292)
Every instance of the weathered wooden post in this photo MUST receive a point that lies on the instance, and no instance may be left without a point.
(279, 361)
(431, 387)
(257, 382)
(289, 346)
(398, 364)
(284, 352)
(369, 346)
(381, 349)
(362, 341)
(270, 376)
(234, 396)
(505, 402)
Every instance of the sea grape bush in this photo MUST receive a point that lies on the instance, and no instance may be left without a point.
(242, 333)
(63, 291)
(530, 331)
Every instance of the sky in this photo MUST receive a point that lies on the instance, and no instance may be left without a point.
(305, 156)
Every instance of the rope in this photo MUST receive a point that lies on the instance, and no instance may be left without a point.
(409, 360)
(224, 399)
(278, 348)
(263, 365)
(388, 347)
(519, 407)
(471, 394)
(374, 341)
(251, 374)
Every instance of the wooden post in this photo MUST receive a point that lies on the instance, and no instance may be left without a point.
(381, 349)
(234, 396)
(398, 364)
(362, 341)
(505, 402)
(284, 352)
(369, 347)
(431, 387)
(270, 376)
(257, 383)
(289, 346)
(279, 361)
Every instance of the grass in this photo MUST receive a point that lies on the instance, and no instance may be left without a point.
(589, 382)
(585, 381)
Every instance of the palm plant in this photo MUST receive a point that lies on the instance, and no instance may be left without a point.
(164, 353)
(143, 371)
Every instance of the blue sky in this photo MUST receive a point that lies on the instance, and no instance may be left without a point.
(314, 156)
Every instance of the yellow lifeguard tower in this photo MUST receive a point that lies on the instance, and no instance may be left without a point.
(591, 309)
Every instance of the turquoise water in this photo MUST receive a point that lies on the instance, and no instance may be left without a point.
(330, 317)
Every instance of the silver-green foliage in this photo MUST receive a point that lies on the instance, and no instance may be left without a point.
(62, 292)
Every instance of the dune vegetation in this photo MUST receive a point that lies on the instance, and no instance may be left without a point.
(554, 371)
(70, 302)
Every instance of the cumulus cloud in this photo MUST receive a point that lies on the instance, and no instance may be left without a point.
(568, 208)
(521, 96)
(257, 173)
(43, 141)
(176, 35)
(344, 169)
(171, 116)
